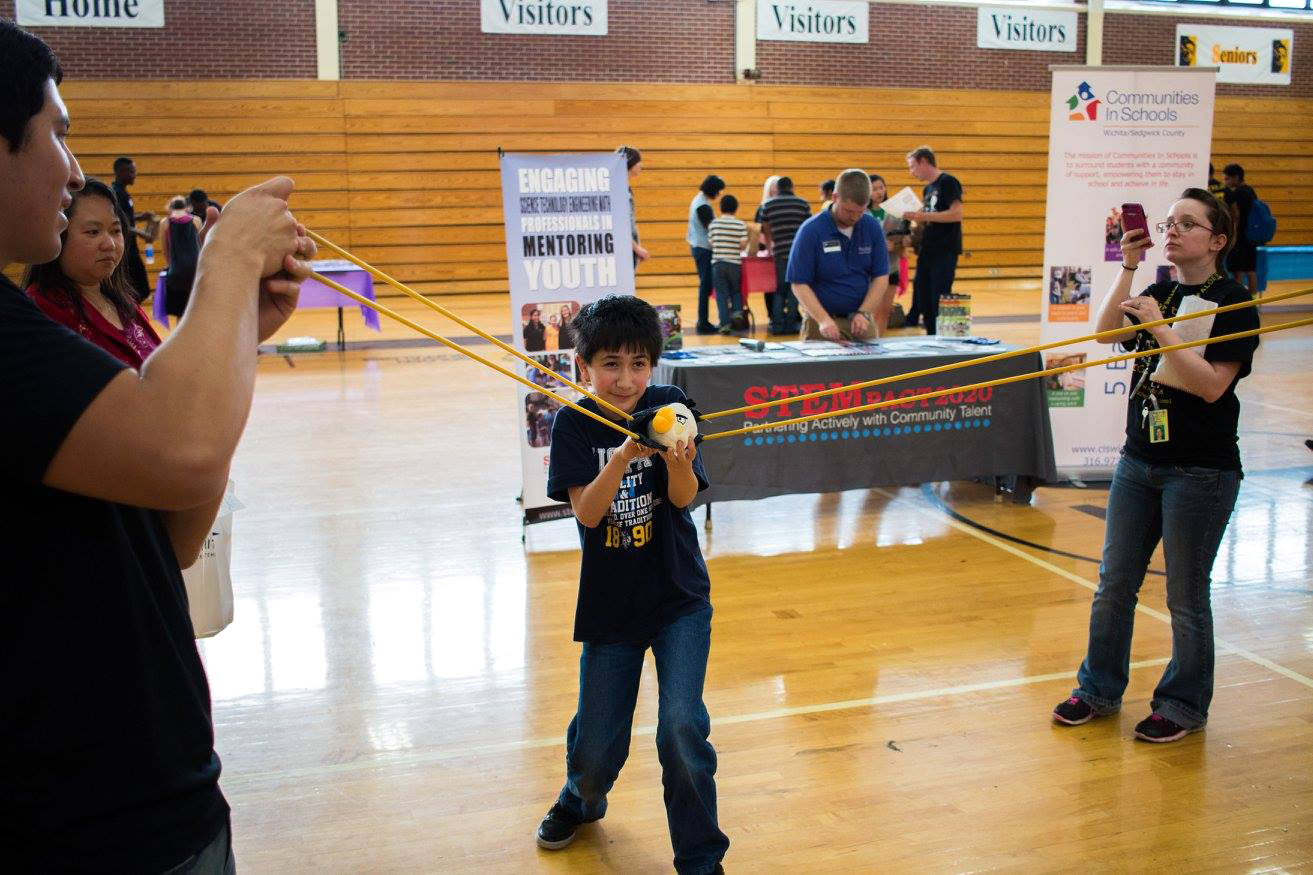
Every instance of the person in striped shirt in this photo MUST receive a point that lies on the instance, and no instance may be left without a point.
(781, 217)
(728, 234)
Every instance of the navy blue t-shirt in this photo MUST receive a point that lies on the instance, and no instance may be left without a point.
(838, 269)
(641, 566)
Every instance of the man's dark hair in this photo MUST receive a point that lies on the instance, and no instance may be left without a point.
(614, 324)
(1234, 170)
(632, 156)
(923, 153)
(121, 162)
(26, 63)
(729, 204)
(784, 185)
(827, 187)
(712, 186)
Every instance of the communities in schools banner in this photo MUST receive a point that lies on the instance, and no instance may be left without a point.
(567, 244)
(1116, 136)
(1245, 55)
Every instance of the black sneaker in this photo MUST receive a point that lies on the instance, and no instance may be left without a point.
(705, 328)
(1073, 712)
(1160, 730)
(557, 829)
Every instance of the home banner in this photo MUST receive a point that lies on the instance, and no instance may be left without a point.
(1117, 135)
(567, 244)
(1247, 55)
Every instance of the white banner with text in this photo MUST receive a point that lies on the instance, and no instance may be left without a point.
(1243, 55)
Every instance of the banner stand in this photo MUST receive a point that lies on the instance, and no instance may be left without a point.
(1117, 135)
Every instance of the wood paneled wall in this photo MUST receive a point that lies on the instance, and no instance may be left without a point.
(406, 173)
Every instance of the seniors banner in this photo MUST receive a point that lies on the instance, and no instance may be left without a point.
(1117, 135)
(567, 244)
(1244, 55)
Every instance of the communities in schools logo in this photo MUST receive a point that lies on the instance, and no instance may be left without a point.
(1083, 105)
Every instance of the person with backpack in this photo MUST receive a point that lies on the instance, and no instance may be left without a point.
(1253, 223)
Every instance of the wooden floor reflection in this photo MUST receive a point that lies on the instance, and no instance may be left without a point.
(394, 692)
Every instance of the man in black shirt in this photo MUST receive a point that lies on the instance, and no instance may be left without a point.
(125, 174)
(1243, 260)
(106, 744)
(941, 240)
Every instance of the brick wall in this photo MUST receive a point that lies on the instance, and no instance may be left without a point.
(201, 39)
(647, 41)
(913, 47)
(1151, 39)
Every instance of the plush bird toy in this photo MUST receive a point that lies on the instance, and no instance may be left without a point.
(662, 427)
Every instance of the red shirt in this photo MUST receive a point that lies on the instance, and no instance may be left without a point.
(131, 344)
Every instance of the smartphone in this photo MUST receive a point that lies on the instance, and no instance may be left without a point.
(1133, 218)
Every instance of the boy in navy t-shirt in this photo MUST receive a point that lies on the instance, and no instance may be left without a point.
(642, 583)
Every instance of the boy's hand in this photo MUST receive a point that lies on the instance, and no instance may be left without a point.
(681, 455)
(632, 449)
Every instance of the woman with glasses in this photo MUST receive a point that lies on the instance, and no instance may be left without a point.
(1179, 472)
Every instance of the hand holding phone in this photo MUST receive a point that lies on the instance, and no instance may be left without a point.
(1133, 242)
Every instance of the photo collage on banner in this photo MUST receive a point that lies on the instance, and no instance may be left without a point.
(567, 244)
(1117, 136)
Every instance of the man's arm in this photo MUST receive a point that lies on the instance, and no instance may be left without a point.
(952, 214)
(164, 438)
(188, 530)
(876, 302)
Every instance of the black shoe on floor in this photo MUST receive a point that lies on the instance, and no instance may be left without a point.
(1160, 730)
(557, 829)
(1073, 712)
(705, 328)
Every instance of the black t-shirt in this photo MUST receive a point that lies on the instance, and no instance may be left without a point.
(1242, 197)
(107, 756)
(938, 196)
(126, 207)
(641, 566)
(1200, 434)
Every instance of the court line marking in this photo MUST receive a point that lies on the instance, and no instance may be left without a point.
(418, 758)
(1277, 407)
(925, 508)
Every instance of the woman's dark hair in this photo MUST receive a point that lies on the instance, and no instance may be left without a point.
(53, 284)
(1218, 216)
(616, 323)
(26, 63)
(632, 156)
(712, 186)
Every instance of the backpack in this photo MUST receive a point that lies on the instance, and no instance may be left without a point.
(1261, 227)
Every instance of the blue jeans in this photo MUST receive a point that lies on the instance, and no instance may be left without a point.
(597, 742)
(702, 259)
(784, 315)
(1187, 509)
(728, 277)
(216, 858)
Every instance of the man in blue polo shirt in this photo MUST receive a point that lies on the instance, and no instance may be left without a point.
(839, 265)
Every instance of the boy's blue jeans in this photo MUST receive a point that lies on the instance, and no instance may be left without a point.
(597, 741)
(1187, 509)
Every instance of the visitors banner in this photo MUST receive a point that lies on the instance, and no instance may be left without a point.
(577, 18)
(814, 21)
(1010, 27)
(1249, 55)
(1117, 135)
(567, 244)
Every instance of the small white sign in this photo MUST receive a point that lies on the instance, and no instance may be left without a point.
(1253, 55)
(575, 18)
(814, 21)
(1013, 27)
(90, 13)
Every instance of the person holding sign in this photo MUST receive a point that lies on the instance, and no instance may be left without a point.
(1179, 472)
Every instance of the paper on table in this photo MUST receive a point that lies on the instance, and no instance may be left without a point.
(905, 201)
(1195, 329)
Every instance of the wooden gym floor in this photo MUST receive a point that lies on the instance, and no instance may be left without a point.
(394, 692)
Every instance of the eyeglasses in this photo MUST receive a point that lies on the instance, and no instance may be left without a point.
(1185, 226)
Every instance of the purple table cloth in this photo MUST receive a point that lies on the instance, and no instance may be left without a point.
(313, 294)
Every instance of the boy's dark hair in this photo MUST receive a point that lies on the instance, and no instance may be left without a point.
(25, 64)
(614, 324)
(784, 185)
(198, 195)
(712, 186)
(729, 204)
(827, 187)
(1234, 170)
(121, 162)
(632, 156)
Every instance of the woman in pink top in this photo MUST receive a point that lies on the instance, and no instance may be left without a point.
(87, 287)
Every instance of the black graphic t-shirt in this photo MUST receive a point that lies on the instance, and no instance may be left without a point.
(1200, 434)
(641, 566)
(938, 196)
